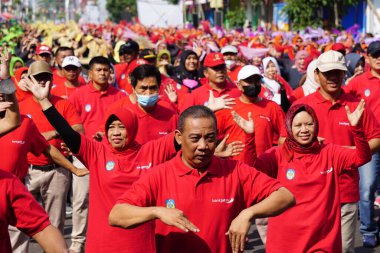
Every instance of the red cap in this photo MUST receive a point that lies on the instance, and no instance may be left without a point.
(134, 64)
(338, 47)
(43, 49)
(213, 59)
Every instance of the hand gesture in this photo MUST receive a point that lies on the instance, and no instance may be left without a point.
(222, 102)
(175, 217)
(356, 116)
(171, 93)
(238, 231)
(38, 91)
(5, 105)
(81, 172)
(66, 149)
(98, 136)
(248, 126)
(231, 149)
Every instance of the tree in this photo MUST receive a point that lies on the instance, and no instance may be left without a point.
(119, 8)
(304, 13)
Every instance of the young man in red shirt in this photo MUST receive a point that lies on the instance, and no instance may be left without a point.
(216, 81)
(128, 52)
(45, 177)
(156, 117)
(367, 87)
(174, 193)
(328, 102)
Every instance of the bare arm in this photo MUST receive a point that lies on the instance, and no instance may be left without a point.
(129, 216)
(374, 145)
(51, 240)
(273, 205)
(53, 153)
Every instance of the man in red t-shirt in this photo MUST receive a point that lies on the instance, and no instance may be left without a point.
(20, 209)
(216, 81)
(71, 70)
(367, 87)
(226, 191)
(156, 117)
(44, 53)
(128, 52)
(45, 177)
(230, 56)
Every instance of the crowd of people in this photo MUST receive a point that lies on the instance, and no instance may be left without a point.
(179, 139)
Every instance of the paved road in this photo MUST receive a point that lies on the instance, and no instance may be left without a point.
(254, 241)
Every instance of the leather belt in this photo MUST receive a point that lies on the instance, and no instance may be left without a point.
(42, 167)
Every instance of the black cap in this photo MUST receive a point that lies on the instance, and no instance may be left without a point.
(374, 48)
(129, 47)
(7, 86)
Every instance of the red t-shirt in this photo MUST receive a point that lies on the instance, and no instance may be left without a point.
(16, 145)
(111, 174)
(18, 208)
(121, 77)
(313, 224)
(59, 88)
(335, 128)
(233, 74)
(91, 105)
(366, 86)
(33, 110)
(201, 95)
(267, 116)
(153, 125)
(298, 93)
(210, 201)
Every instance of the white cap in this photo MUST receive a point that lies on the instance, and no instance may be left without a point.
(71, 60)
(248, 71)
(229, 49)
(331, 60)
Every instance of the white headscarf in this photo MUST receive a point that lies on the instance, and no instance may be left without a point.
(310, 85)
(272, 86)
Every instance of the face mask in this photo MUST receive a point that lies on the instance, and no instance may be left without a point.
(189, 83)
(251, 91)
(147, 100)
(230, 64)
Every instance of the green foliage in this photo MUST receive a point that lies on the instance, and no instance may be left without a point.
(304, 13)
(236, 17)
(117, 8)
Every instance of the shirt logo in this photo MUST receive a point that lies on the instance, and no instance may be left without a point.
(265, 117)
(144, 167)
(225, 200)
(122, 76)
(178, 86)
(53, 86)
(367, 92)
(170, 203)
(290, 174)
(344, 123)
(29, 115)
(87, 107)
(18, 142)
(327, 171)
(110, 165)
(162, 133)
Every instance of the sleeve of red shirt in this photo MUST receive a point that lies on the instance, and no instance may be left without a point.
(25, 212)
(370, 125)
(344, 157)
(88, 152)
(70, 114)
(161, 149)
(278, 118)
(38, 143)
(267, 162)
(256, 185)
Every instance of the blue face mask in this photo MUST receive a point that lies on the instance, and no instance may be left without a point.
(147, 100)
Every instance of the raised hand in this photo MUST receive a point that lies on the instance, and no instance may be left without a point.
(222, 102)
(356, 116)
(38, 91)
(5, 105)
(171, 93)
(231, 149)
(81, 172)
(175, 217)
(238, 231)
(248, 126)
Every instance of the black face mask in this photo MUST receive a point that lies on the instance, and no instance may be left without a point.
(252, 91)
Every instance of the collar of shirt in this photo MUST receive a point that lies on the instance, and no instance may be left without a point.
(182, 169)
(228, 87)
(320, 99)
(93, 90)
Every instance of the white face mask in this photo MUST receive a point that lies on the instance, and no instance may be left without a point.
(230, 63)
